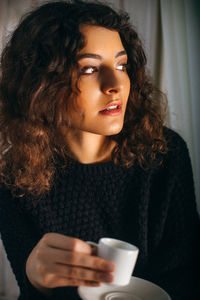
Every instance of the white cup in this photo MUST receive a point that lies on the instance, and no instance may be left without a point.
(122, 254)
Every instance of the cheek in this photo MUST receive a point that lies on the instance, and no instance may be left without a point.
(86, 84)
(127, 86)
(86, 106)
(88, 95)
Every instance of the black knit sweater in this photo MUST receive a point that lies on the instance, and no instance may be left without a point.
(154, 209)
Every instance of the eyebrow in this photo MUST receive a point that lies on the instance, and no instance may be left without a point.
(97, 56)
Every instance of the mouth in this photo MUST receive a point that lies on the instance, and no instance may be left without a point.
(112, 109)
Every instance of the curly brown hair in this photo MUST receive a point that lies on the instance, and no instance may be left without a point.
(39, 77)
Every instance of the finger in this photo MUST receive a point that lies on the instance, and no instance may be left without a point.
(81, 273)
(78, 259)
(59, 241)
(75, 282)
(55, 282)
(94, 250)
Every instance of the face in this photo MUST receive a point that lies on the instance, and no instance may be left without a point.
(104, 83)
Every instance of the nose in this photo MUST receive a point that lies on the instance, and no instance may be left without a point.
(110, 83)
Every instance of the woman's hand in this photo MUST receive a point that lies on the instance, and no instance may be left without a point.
(58, 260)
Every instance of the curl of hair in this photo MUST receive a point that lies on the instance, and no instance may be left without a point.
(39, 77)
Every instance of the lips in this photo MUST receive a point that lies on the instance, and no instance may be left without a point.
(113, 108)
(112, 104)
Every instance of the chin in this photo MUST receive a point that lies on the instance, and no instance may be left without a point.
(113, 131)
(105, 129)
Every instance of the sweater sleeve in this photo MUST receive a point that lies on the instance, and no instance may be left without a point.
(174, 264)
(19, 238)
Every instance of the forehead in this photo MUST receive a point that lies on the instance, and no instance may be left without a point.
(100, 39)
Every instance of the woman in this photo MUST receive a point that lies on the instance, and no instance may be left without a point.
(84, 154)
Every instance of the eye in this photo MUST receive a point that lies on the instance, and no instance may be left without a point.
(88, 70)
(122, 67)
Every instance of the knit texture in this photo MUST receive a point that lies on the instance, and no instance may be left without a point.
(154, 210)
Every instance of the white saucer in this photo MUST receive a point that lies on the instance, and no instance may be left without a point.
(137, 289)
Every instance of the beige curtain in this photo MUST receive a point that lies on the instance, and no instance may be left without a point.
(181, 46)
(8, 284)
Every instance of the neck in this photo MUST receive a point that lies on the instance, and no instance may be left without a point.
(89, 148)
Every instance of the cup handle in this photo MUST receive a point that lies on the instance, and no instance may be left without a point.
(92, 243)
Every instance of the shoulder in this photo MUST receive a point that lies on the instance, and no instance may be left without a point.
(174, 139)
(3, 190)
(5, 194)
(7, 199)
(176, 164)
(177, 146)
